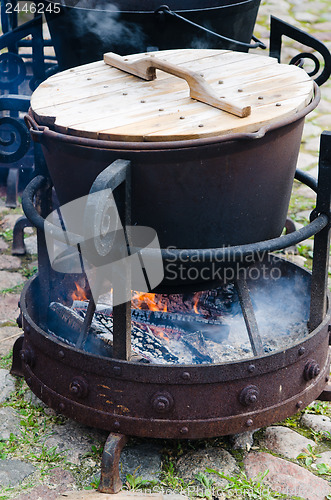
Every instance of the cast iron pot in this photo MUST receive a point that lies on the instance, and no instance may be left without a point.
(202, 193)
(82, 35)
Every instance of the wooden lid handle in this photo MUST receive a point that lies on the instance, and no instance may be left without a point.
(199, 88)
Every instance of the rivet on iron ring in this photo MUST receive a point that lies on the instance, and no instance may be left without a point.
(249, 395)
(79, 387)
(162, 402)
(311, 370)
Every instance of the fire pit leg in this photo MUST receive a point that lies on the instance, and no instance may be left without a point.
(110, 481)
(16, 367)
(319, 280)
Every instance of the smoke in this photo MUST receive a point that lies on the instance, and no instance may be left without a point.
(103, 22)
(281, 309)
(200, 43)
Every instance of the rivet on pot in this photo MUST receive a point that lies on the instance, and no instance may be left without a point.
(162, 402)
(61, 406)
(249, 422)
(249, 395)
(27, 356)
(184, 430)
(299, 404)
(301, 351)
(117, 425)
(61, 354)
(79, 387)
(28, 381)
(311, 370)
(27, 329)
(251, 368)
(186, 376)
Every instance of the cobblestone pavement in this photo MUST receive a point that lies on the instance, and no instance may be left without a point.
(43, 455)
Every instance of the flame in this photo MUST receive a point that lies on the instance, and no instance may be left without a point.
(148, 301)
(195, 302)
(79, 293)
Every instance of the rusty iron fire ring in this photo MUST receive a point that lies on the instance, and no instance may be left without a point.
(183, 401)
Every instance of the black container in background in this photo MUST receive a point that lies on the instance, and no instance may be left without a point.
(82, 35)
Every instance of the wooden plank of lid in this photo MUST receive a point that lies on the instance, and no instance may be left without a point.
(102, 102)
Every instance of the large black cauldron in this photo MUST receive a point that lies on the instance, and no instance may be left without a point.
(84, 30)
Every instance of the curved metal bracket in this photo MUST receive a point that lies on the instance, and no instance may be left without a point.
(278, 28)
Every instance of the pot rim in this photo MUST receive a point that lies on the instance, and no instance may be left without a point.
(40, 132)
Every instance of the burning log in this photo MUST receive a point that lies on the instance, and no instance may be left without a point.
(67, 324)
(183, 323)
(218, 302)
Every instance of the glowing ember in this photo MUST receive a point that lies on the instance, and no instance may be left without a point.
(149, 301)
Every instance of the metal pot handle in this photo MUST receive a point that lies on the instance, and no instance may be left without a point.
(165, 10)
(35, 130)
(199, 89)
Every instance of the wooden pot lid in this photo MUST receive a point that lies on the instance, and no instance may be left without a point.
(100, 101)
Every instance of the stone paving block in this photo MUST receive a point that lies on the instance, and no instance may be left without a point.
(311, 130)
(10, 423)
(9, 262)
(8, 221)
(74, 440)
(9, 306)
(312, 144)
(31, 398)
(7, 385)
(323, 121)
(13, 472)
(325, 458)
(58, 482)
(8, 336)
(306, 160)
(317, 423)
(286, 477)
(3, 244)
(142, 460)
(9, 280)
(284, 441)
(195, 462)
(31, 245)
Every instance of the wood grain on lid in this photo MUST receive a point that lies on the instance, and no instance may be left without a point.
(101, 102)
